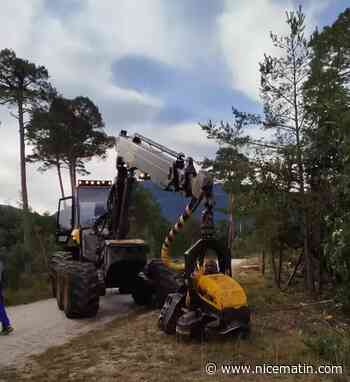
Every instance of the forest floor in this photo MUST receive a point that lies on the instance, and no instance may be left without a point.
(287, 329)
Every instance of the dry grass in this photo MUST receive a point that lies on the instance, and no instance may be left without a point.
(133, 349)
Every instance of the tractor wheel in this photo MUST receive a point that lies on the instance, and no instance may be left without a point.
(54, 264)
(164, 279)
(171, 312)
(183, 338)
(142, 292)
(81, 290)
(53, 285)
(59, 291)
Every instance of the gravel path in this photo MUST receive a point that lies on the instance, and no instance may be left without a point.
(41, 325)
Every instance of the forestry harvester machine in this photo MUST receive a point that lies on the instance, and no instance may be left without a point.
(197, 297)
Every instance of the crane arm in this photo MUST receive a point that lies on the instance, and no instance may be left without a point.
(171, 171)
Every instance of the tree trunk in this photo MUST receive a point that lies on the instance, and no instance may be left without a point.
(40, 240)
(22, 156)
(273, 266)
(72, 174)
(263, 257)
(308, 275)
(294, 271)
(308, 279)
(280, 262)
(231, 228)
(58, 165)
(301, 179)
(25, 205)
(315, 228)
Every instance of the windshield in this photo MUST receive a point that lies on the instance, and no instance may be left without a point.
(92, 204)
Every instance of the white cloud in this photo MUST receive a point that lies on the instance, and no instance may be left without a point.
(132, 27)
(79, 49)
(16, 22)
(244, 32)
(78, 54)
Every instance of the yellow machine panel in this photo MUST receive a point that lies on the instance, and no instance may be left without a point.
(220, 291)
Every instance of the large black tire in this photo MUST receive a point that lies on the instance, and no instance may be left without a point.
(142, 292)
(53, 285)
(59, 292)
(55, 262)
(171, 312)
(81, 290)
(164, 280)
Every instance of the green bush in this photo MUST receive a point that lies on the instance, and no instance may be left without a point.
(337, 251)
(331, 347)
(36, 288)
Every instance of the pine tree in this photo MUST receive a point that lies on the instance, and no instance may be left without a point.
(22, 84)
(69, 133)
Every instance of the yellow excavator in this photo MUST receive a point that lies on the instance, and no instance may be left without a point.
(197, 296)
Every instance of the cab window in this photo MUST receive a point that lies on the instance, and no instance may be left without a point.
(92, 204)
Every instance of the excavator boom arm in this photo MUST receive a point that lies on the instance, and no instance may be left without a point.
(171, 171)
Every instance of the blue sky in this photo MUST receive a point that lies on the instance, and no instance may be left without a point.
(152, 66)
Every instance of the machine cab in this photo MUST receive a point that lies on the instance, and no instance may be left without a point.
(91, 199)
(82, 210)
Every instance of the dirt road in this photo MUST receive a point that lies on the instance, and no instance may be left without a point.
(41, 325)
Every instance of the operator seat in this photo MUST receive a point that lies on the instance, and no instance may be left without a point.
(89, 244)
(100, 209)
(210, 267)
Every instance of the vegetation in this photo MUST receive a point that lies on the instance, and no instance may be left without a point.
(22, 85)
(25, 283)
(328, 100)
(67, 132)
(230, 167)
(295, 181)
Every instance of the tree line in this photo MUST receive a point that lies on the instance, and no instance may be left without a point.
(295, 180)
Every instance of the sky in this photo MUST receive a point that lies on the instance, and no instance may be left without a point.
(155, 67)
